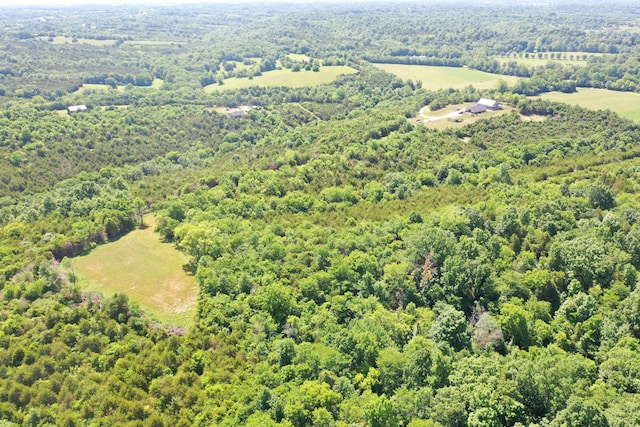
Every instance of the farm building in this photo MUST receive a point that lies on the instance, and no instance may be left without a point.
(489, 103)
(72, 109)
(476, 109)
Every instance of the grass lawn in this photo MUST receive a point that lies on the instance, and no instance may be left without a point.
(147, 270)
(284, 77)
(434, 78)
(69, 40)
(627, 104)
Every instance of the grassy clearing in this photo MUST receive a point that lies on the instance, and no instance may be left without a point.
(627, 104)
(69, 40)
(434, 78)
(297, 57)
(91, 86)
(147, 270)
(441, 119)
(284, 77)
(156, 84)
(239, 65)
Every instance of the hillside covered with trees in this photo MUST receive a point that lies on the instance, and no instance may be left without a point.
(354, 267)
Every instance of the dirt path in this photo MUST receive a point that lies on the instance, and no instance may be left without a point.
(426, 118)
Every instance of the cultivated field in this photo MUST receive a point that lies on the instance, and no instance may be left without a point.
(627, 104)
(285, 77)
(147, 270)
(434, 78)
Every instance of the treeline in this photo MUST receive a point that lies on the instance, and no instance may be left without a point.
(446, 35)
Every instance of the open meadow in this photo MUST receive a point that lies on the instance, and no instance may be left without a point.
(434, 78)
(147, 270)
(284, 77)
(627, 104)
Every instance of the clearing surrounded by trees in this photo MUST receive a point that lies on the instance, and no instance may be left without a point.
(147, 270)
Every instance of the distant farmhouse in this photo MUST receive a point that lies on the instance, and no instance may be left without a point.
(483, 105)
(240, 112)
(72, 109)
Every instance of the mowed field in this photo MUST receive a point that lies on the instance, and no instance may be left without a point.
(434, 78)
(285, 77)
(147, 270)
(627, 104)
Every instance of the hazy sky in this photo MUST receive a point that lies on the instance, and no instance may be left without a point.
(112, 2)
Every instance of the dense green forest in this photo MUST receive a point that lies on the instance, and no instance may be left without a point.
(355, 267)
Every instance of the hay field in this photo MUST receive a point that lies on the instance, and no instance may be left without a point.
(434, 78)
(627, 104)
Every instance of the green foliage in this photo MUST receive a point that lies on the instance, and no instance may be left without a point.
(353, 268)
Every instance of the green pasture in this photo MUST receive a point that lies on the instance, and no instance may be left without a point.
(284, 77)
(434, 78)
(69, 40)
(148, 271)
(627, 104)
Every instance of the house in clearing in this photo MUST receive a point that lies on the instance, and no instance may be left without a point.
(483, 105)
(72, 109)
(240, 112)
(237, 114)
